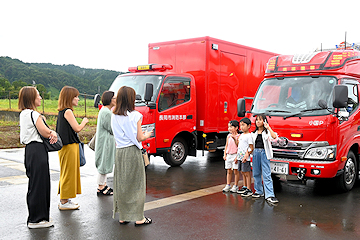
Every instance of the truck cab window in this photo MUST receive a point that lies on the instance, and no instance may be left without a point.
(175, 91)
(353, 98)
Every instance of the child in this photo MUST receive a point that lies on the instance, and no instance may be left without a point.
(245, 148)
(230, 153)
(261, 163)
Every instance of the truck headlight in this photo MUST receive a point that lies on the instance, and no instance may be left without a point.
(321, 153)
(149, 127)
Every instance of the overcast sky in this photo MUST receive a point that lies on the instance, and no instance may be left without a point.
(114, 35)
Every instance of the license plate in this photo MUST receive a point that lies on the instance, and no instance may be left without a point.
(279, 168)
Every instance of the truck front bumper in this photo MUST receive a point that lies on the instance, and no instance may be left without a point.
(314, 169)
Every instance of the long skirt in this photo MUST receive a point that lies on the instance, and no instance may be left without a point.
(69, 183)
(129, 184)
(37, 170)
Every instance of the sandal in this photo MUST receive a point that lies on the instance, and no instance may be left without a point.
(124, 222)
(147, 221)
(105, 191)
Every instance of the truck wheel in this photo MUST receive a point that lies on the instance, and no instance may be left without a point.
(178, 153)
(347, 179)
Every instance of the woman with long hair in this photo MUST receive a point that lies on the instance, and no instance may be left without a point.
(261, 159)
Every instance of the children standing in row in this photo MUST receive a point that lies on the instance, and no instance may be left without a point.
(230, 154)
(262, 153)
(245, 148)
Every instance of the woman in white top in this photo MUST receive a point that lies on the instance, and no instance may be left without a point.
(129, 172)
(36, 157)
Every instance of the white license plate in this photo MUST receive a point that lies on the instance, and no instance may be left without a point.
(279, 168)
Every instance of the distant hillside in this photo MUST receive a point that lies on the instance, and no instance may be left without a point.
(54, 77)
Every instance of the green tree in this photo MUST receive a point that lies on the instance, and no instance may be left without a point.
(5, 86)
(42, 90)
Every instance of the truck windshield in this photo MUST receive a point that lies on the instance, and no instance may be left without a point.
(294, 96)
(138, 82)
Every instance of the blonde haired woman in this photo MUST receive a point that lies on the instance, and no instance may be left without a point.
(36, 157)
(69, 155)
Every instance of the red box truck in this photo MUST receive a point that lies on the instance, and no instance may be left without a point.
(312, 102)
(188, 92)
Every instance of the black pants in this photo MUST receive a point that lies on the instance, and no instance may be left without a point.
(37, 170)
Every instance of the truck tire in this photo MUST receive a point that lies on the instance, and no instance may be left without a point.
(178, 153)
(347, 179)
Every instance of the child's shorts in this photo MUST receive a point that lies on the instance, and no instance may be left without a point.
(244, 167)
(230, 161)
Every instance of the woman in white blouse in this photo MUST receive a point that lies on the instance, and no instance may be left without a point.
(36, 157)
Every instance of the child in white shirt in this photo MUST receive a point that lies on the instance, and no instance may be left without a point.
(245, 148)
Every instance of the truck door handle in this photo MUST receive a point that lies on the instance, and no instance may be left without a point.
(189, 117)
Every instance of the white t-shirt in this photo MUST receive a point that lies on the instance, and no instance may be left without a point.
(125, 129)
(28, 131)
(244, 141)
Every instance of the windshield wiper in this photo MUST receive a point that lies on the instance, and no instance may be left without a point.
(283, 111)
(301, 112)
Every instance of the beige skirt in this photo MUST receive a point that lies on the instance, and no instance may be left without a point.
(69, 183)
(129, 184)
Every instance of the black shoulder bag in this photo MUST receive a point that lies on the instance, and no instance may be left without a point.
(49, 147)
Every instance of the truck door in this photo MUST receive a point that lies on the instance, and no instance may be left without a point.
(176, 110)
(232, 84)
(350, 129)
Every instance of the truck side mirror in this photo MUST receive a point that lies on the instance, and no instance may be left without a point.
(96, 100)
(148, 92)
(241, 107)
(340, 96)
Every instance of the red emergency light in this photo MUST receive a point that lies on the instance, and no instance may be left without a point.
(320, 61)
(151, 67)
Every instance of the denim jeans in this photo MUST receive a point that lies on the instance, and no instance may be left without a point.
(261, 166)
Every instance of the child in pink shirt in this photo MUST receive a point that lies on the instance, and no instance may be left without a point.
(230, 153)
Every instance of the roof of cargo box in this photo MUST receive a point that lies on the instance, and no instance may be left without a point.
(205, 39)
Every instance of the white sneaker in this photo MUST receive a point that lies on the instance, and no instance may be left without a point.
(226, 188)
(73, 202)
(234, 189)
(68, 206)
(42, 224)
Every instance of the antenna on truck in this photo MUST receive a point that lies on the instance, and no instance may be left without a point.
(345, 41)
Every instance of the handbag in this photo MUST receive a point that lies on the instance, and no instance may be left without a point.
(82, 154)
(91, 144)
(145, 157)
(49, 147)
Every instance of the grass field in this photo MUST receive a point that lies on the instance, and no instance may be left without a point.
(7, 128)
(49, 107)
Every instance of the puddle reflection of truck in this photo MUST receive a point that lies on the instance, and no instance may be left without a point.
(190, 94)
(312, 103)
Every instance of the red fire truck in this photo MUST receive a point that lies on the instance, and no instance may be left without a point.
(311, 101)
(188, 91)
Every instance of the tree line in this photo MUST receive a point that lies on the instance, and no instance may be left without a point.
(50, 78)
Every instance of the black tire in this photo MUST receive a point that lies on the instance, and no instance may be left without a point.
(178, 153)
(347, 179)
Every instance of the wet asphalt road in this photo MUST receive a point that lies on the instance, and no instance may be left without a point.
(311, 211)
